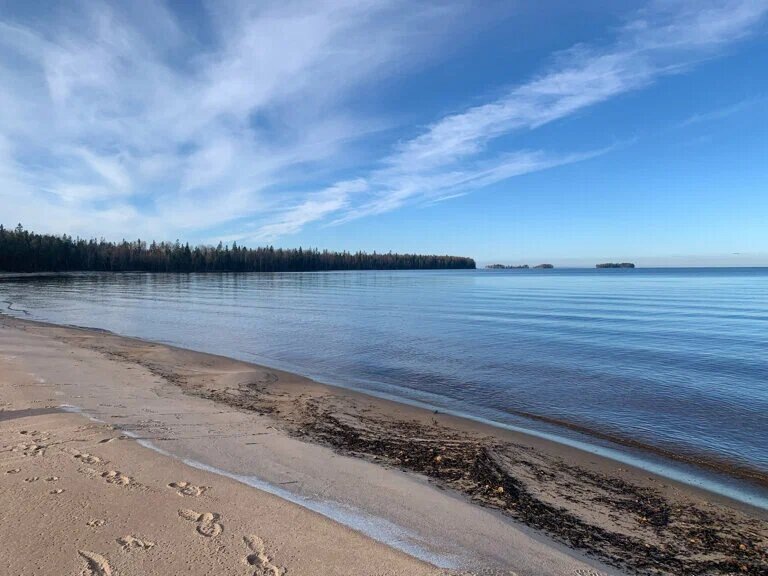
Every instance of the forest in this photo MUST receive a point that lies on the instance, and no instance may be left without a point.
(25, 251)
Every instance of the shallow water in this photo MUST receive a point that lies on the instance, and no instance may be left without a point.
(675, 359)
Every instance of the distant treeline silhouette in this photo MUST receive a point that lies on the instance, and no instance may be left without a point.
(25, 251)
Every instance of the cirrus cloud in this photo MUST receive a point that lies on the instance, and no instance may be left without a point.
(127, 119)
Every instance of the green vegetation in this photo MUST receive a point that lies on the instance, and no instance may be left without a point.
(24, 251)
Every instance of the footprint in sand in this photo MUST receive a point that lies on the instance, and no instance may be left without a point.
(57, 491)
(13, 471)
(83, 456)
(52, 479)
(207, 523)
(95, 523)
(30, 449)
(187, 489)
(89, 458)
(37, 435)
(117, 477)
(131, 542)
(32, 479)
(190, 515)
(209, 529)
(259, 558)
(97, 565)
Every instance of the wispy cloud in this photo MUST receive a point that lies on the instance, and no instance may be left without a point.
(394, 188)
(119, 113)
(313, 208)
(124, 119)
(723, 112)
(451, 154)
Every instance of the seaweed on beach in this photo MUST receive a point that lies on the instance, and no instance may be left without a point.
(660, 539)
(633, 527)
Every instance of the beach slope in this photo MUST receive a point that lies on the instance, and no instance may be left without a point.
(80, 497)
(404, 476)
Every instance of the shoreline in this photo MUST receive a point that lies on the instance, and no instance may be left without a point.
(731, 478)
(735, 482)
(368, 526)
(559, 490)
(112, 506)
(401, 510)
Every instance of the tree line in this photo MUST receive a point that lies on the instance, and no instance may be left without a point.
(25, 251)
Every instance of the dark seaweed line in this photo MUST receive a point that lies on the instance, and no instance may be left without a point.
(478, 462)
(493, 486)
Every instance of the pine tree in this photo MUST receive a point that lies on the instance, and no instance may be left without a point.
(24, 251)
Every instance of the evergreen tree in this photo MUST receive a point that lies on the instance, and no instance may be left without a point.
(24, 251)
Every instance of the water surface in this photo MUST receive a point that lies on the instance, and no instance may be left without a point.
(675, 359)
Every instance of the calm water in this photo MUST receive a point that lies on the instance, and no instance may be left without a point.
(672, 358)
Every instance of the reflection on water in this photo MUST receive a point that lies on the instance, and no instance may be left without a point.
(676, 359)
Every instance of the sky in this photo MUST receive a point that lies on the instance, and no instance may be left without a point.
(510, 131)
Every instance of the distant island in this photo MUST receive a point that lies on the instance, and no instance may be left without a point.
(521, 267)
(25, 251)
(615, 265)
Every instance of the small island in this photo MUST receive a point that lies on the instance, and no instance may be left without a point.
(520, 267)
(615, 265)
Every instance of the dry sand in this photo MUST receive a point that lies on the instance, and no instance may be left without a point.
(78, 497)
(398, 474)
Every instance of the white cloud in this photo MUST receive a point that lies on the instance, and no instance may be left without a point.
(664, 39)
(120, 120)
(111, 169)
(397, 189)
(121, 104)
(723, 112)
(314, 208)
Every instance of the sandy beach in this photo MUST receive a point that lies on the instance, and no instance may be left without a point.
(80, 497)
(167, 460)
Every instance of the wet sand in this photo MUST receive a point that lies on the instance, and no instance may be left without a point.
(450, 491)
(79, 497)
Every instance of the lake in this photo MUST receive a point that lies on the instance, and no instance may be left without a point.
(673, 360)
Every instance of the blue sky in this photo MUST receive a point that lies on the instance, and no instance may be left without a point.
(507, 131)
